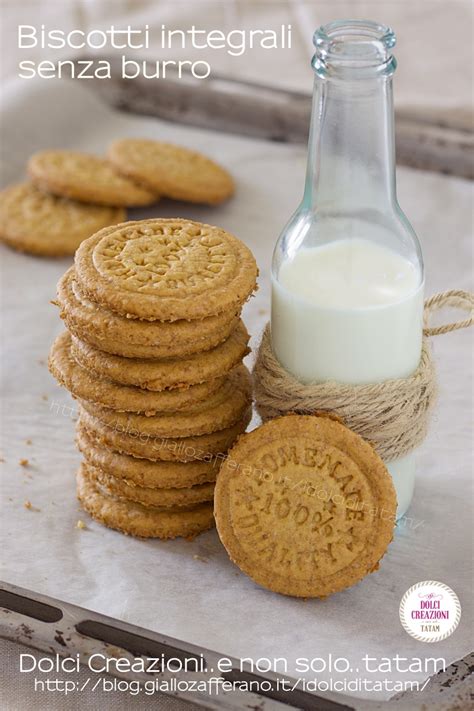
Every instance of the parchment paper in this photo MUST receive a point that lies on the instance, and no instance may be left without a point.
(162, 585)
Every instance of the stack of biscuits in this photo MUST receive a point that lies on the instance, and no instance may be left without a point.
(153, 353)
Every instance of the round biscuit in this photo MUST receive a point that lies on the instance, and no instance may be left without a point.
(133, 338)
(86, 178)
(304, 506)
(220, 410)
(158, 374)
(141, 521)
(173, 171)
(86, 385)
(204, 448)
(48, 226)
(166, 269)
(150, 496)
(144, 472)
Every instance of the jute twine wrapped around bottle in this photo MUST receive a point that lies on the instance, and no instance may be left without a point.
(393, 415)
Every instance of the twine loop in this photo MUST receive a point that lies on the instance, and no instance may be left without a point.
(456, 299)
(393, 415)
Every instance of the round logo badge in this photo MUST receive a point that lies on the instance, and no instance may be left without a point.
(430, 611)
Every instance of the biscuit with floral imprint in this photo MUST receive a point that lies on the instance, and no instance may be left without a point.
(166, 270)
(304, 506)
(86, 178)
(173, 171)
(47, 226)
(155, 374)
(144, 472)
(149, 496)
(220, 410)
(141, 521)
(133, 338)
(204, 448)
(85, 385)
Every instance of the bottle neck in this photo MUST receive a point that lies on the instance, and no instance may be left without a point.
(351, 154)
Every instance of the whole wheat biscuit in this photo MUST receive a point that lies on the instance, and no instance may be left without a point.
(131, 350)
(204, 448)
(144, 472)
(87, 178)
(304, 506)
(137, 520)
(84, 385)
(172, 171)
(35, 222)
(147, 496)
(220, 410)
(155, 374)
(133, 338)
(166, 269)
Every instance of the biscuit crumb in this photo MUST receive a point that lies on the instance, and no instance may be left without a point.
(2, 459)
(28, 505)
(80, 524)
(24, 462)
(114, 651)
(28, 441)
(44, 397)
(201, 558)
(41, 361)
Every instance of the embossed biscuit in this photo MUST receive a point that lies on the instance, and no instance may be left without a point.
(42, 224)
(137, 520)
(133, 338)
(166, 269)
(84, 385)
(148, 496)
(220, 410)
(304, 506)
(173, 171)
(155, 374)
(87, 178)
(204, 448)
(145, 472)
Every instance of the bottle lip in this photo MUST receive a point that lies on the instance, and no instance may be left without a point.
(354, 48)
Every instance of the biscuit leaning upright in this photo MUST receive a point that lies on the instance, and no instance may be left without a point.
(304, 506)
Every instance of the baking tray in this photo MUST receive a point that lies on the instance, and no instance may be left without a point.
(224, 610)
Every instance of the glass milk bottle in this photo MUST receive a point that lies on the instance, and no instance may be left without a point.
(347, 273)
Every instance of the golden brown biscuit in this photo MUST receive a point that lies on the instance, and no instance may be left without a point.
(133, 338)
(42, 224)
(148, 496)
(204, 448)
(145, 472)
(220, 410)
(84, 385)
(304, 506)
(156, 374)
(166, 269)
(87, 178)
(137, 520)
(172, 171)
